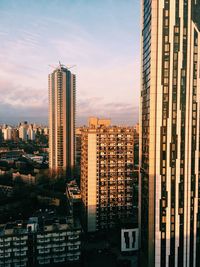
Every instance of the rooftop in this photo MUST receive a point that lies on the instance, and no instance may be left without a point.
(73, 191)
(44, 222)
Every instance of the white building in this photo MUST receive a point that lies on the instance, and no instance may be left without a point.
(23, 132)
(7, 132)
(169, 134)
(31, 133)
(62, 87)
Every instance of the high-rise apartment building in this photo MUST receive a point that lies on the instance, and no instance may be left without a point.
(31, 133)
(7, 132)
(107, 156)
(23, 133)
(62, 86)
(169, 139)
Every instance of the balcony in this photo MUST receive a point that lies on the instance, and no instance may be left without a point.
(42, 262)
(75, 237)
(71, 248)
(44, 240)
(58, 239)
(4, 255)
(59, 249)
(19, 254)
(59, 260)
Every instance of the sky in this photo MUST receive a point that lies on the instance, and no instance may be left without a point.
(100, 37)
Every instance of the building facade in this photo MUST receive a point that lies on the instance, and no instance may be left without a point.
(107, 155)
(50, 242)
(62, 87)
(169, 134)
(58, 242)
(14, 246)
(7, 132)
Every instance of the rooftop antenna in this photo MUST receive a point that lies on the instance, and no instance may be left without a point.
(62, 65)
(67, 67)
(52, 66)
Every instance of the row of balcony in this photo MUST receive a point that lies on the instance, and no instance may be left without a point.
(50, 256)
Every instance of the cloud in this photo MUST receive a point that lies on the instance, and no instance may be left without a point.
(120, 113)
(20, 96)
(19, 103)
(101, 43)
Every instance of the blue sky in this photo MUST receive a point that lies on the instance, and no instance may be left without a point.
(102, 38)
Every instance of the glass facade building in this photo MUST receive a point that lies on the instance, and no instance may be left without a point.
(169, 133)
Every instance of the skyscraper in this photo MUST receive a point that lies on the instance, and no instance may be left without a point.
(62, 86)
(107, 156)
(169, 133)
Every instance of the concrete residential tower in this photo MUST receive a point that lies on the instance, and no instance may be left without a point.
(62, 87)
(169, 134)
(107, 157)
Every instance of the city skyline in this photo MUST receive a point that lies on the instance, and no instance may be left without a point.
(103, 45)
(114, 179)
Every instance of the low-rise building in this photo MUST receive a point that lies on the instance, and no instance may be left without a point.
(73, 194)
(58, 242)
(7, 132)
(14, 245)
(40, 241)
(27, 178)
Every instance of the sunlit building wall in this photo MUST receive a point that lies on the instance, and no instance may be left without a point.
(62, 86)
(7, 133)
(23, 132)
(169, 137)
(107, 156)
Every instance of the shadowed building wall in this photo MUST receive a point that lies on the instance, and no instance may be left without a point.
(169, 133)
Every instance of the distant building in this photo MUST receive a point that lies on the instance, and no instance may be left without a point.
(107, 157)
(62, 87)
(27, 178)
(15, 134)
(1, 136)
(78, 153)
(23, 132)
(31, 133)
(46, 131)
(7, 132)
(95, 122)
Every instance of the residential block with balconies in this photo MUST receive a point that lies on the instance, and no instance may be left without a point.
(40, 241)
(107, 162)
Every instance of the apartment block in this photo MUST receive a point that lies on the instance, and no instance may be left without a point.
(39, 242)
(59, 242)
(62, 86)
(107, 157)
(14, 245)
